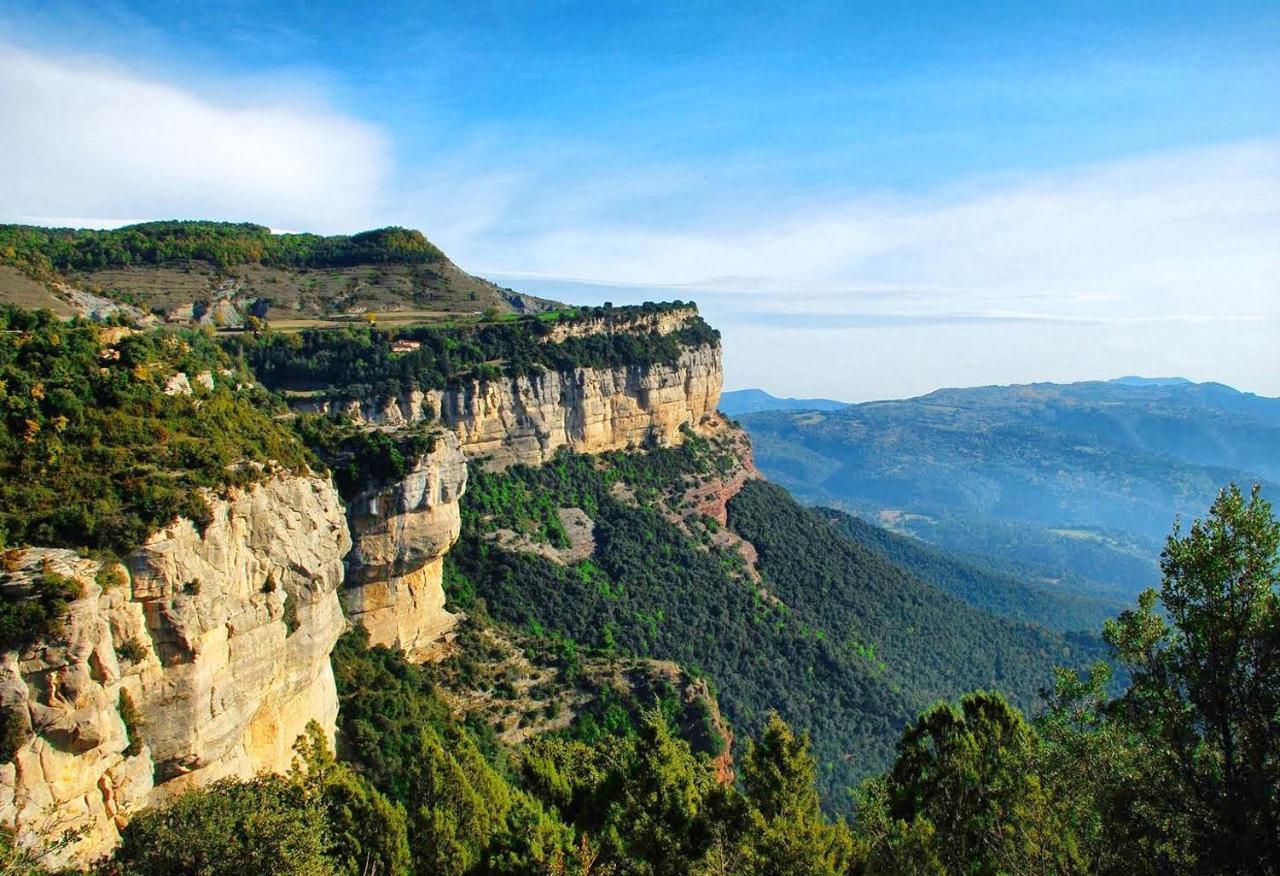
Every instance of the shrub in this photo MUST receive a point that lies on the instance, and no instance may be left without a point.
(291, 622)
(110, 576)
(13, 734)
(133, 723)
(131, 650)
(230, 829)
(39, 614)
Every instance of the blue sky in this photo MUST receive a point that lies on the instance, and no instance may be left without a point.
(869, 199)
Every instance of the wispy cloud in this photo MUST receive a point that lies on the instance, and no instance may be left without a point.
(1164, 263)
(1138, 238)
(87, 139)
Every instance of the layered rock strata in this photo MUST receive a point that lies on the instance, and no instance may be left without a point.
(205, 655)
(401, 533)
(588, 410)
(663, 322)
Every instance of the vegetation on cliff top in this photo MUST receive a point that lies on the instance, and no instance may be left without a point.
(225, 244)
(94, 453)
(361, 459)
(368, 362)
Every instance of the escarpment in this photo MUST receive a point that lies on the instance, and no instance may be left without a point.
(204, 655)
(526, 419)
(401, 532)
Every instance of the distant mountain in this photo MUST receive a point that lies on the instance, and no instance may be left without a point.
(1073, 486)
(1134, 380)
(747, 401)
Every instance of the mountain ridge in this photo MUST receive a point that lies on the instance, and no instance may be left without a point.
(1035, 472)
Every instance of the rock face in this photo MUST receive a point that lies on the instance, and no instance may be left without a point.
(402, 531)
(527, 419)
(663, 322)
(220, 639)
(589, 410)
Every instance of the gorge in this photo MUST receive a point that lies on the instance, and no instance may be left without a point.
(217, 634)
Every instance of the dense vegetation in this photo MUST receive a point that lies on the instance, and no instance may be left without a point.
(982, 587)
(837, 640)
(225, 244)
(1180, 774)
(94, 453)
(1075, 482)
(37, 614)
(360, 361)
(360, 459)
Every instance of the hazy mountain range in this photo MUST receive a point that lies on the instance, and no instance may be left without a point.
(1065, 484)
(749, 401)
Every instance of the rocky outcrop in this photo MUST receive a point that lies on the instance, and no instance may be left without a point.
(662, 322)
(401, 533)
(219, 639)
(527, 419)
(588, 410)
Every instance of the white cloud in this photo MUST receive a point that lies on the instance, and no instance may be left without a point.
(88, 139)
(1135, 238)
(1157, 264)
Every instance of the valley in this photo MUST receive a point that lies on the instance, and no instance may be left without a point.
(1068, 487)
(512, 594)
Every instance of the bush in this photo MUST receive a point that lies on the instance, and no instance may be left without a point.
(229, 829)
(39, 614)
(131, 650)
(133, 723)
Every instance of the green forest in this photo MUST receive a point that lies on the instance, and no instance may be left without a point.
(223, 244)
(976, 583)
(1176, 775)
(360, 360)
(840, 643)
(96, 454)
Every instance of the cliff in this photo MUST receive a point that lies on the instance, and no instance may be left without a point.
(623, 321)
(219, 639)
(206, 652)
(401, 532)
(588, 410)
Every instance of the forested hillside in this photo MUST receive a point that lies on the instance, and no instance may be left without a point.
(223, 273)
(979, 585)
(831, 635)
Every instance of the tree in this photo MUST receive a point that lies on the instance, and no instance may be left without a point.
(659, 822)
(965, 794)
(229, 829)
(787, 834)
(1206, 682)
(366, 832)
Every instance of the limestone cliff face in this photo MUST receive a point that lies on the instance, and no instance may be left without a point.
(663, 322)
(220, 639)
(527, 419)
(589, 410)
(401, 533)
